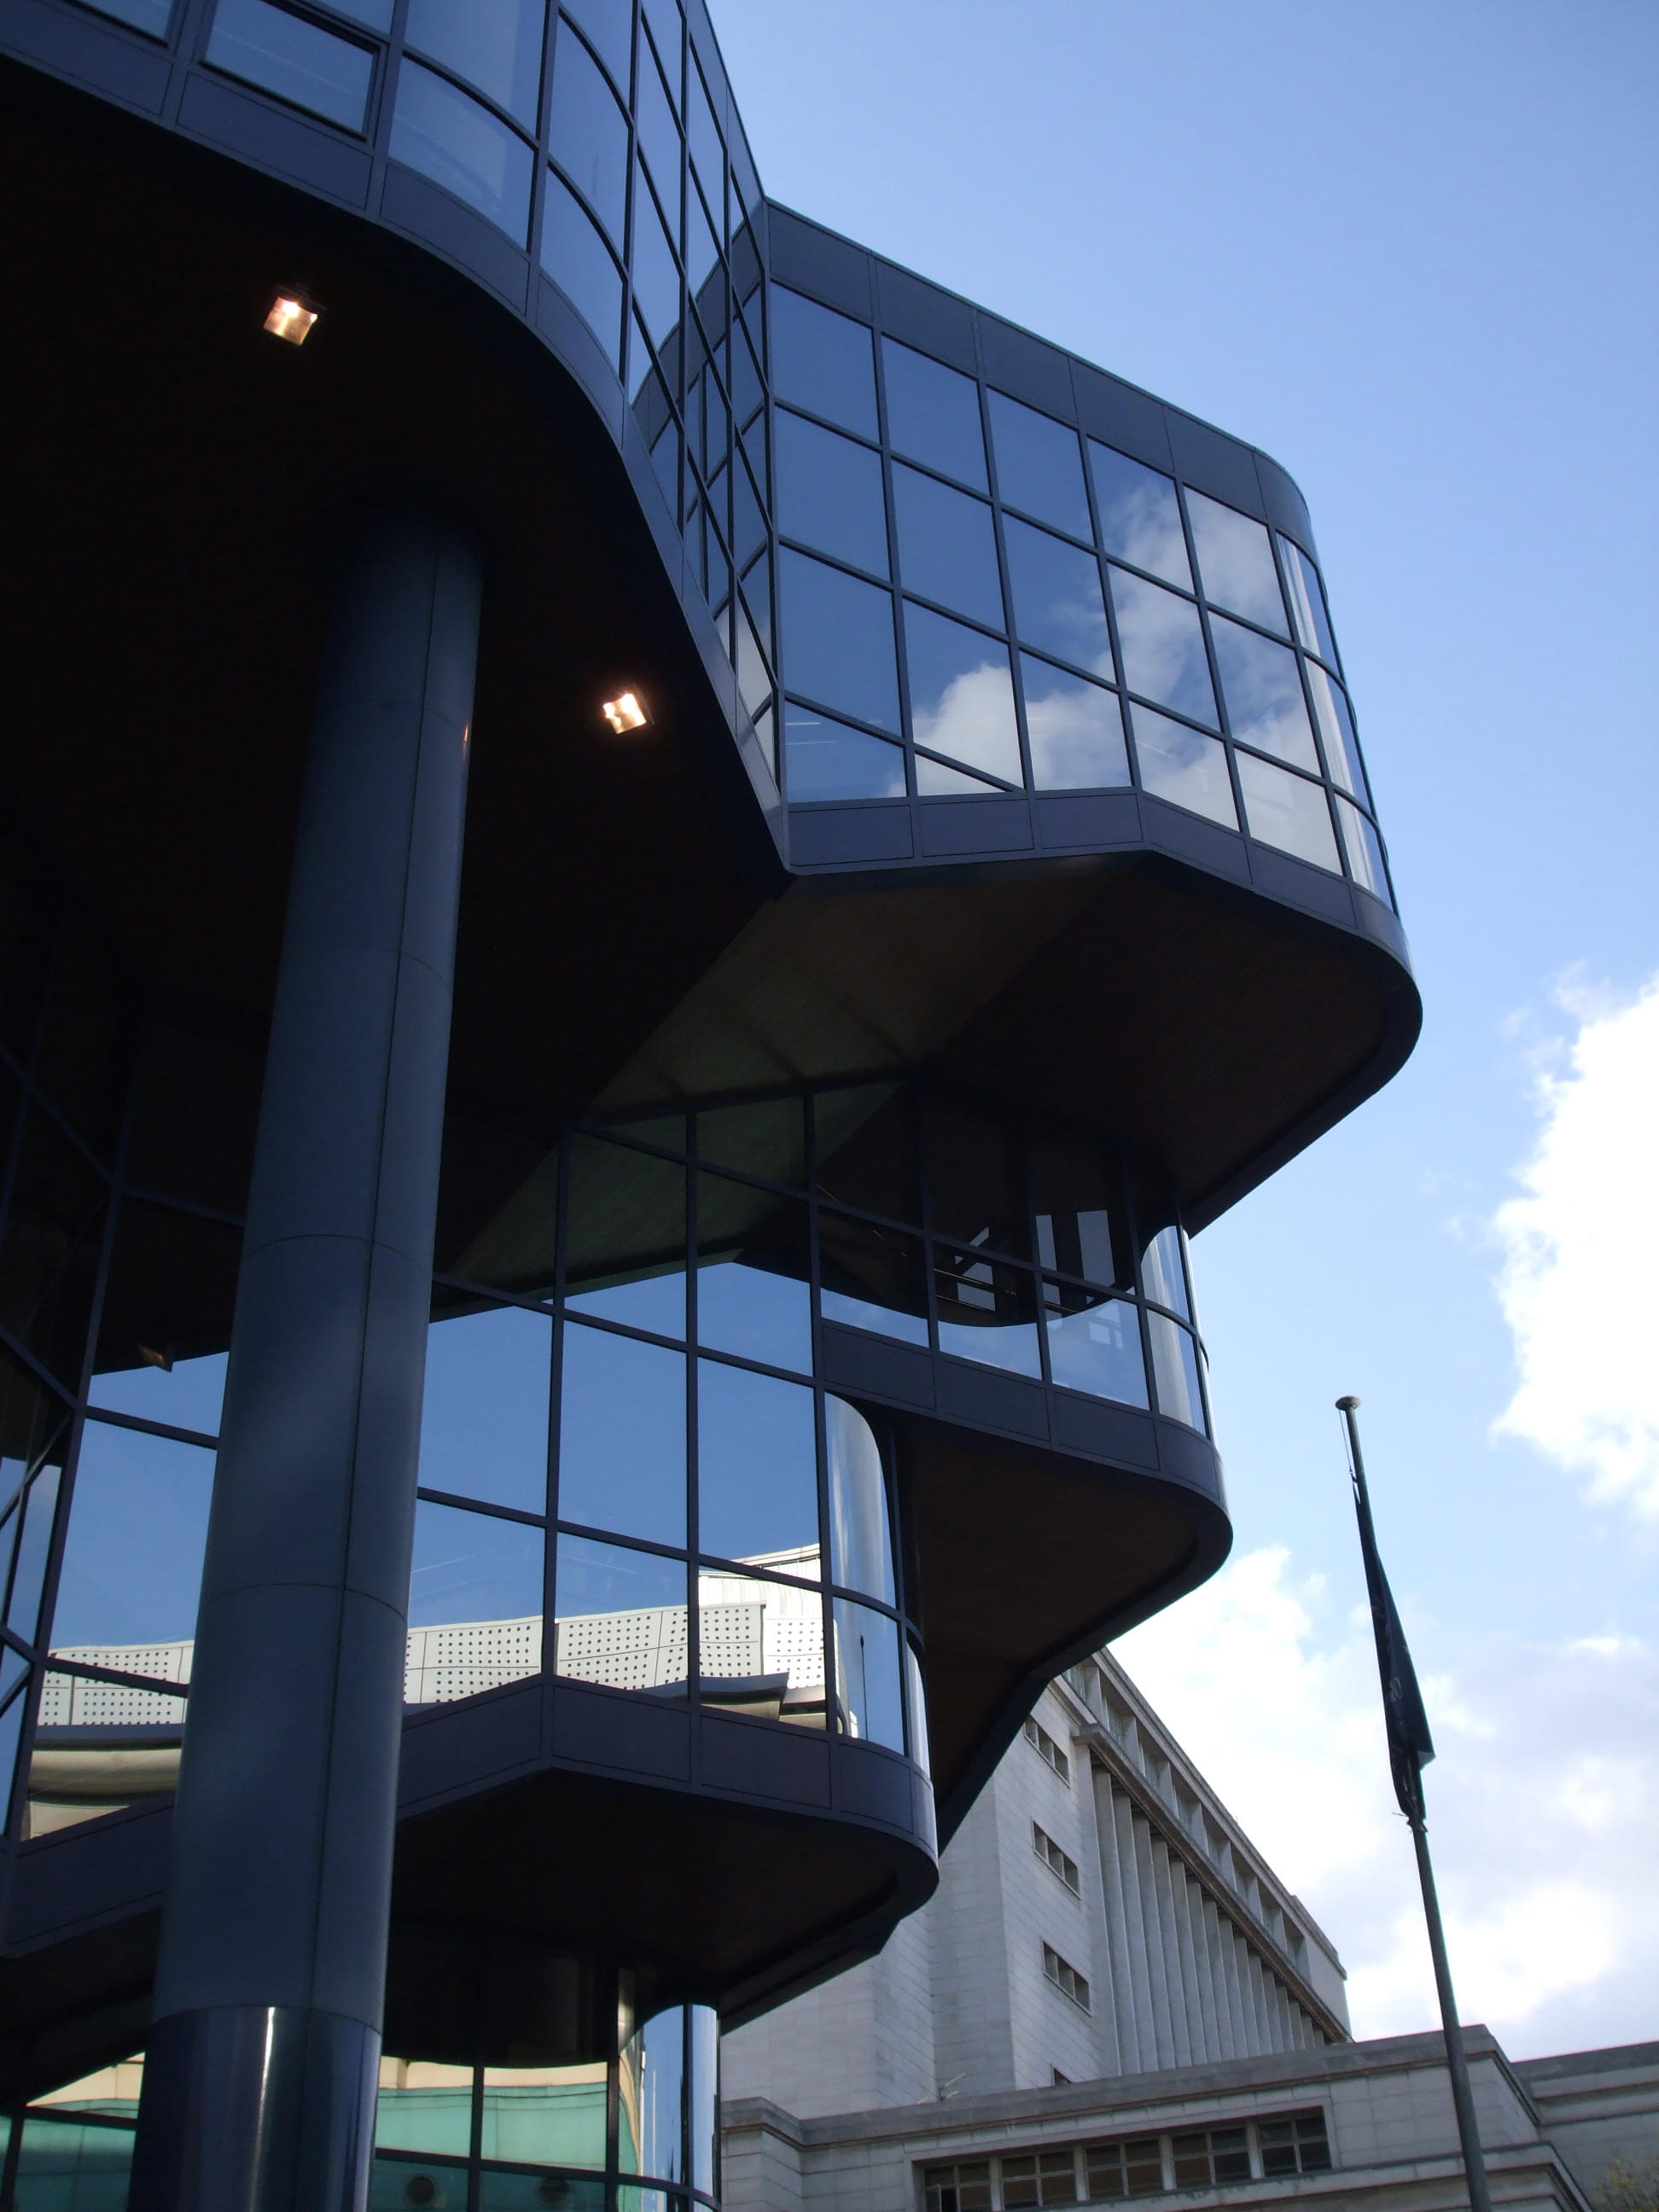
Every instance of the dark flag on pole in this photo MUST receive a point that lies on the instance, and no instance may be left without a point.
(1410, 1749)
(1410, 1745)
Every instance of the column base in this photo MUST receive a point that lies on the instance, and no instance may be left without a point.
(248, 2108)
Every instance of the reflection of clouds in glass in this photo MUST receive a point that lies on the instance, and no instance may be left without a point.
(1313, 623)
(1163, 647)
(1140, 518)
(1265, 705)
(1236, 562)
(1286, 811)
(972, 720)
(1187, 768)
(1057, 599)
(1076, 730)
(826, 760)
(1365, 852)
(935, 781)
(1336, 728)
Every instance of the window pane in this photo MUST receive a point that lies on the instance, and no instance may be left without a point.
(1236, 563)
(935, 781)
(708, 149)
(650, 2117)
(1336, 728)
(620, 1616)
(947, 548)
(1094, 1345)
(295, 60)
(1039, 467)
(872, 1278)
(752, 1275)
(1175, 1371)
(860, 1536)
(916, 1699)
(838, 640)
(867, 1148)
(830, 493)
(98, 1746)
(764, 1137)
(189, 1394)
(576, 258)
(659, 138)
(1057, 598)
(1263, 692)
(484, 1426)
(485, 1574)
(625, 1259)
(1140, 515)
(423, 2106)
(36, 1512)
(622, 1437)
(961, 694)
(1077, 1196)
(827, 760)
(1163, 647)
(757, 1485)
(1307, 595)
(932, 414)
(450, 138)
(656, 273)
(986, 1310)
(49, 1249)
(609, 26)
(702, 2096)
(587, 136)
(761, 1644)
(1190, 770)
(1288, 811)
(1364, 851)
(496, 44)
(133, 1565)
(151, 15)
(543, 2116)
(867, 1683)
(1074, 728)
(822, 361)
(1162, 1275)
(975, 1175)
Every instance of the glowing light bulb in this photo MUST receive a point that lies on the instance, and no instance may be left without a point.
(291, 319)
(624, 714)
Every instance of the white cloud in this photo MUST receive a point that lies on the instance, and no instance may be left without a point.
(1543, 1803)
(1578, 1285)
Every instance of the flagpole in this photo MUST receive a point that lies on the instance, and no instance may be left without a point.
(1409, 1791)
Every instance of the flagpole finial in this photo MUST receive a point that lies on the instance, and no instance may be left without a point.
(1349, 1404)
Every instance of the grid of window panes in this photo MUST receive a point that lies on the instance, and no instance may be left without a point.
(610, 2120)
(601, 139)
(1057, 1859)
(1130, 2165)
(976, 596)
(120, 1242)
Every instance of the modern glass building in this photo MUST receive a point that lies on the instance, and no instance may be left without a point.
(651, 871)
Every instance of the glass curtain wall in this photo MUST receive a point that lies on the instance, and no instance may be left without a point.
(978, 598)
(616, 2111)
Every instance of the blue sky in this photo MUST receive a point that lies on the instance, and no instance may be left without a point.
(1409, 250)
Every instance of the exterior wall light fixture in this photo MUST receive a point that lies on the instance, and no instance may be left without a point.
(291, 319)
(624, 714)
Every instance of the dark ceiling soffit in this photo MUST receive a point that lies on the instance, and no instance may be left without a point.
(621, 482)
(1396, 987)
(1212, 1538)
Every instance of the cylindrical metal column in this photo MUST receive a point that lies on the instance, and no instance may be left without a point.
(263, 2059)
